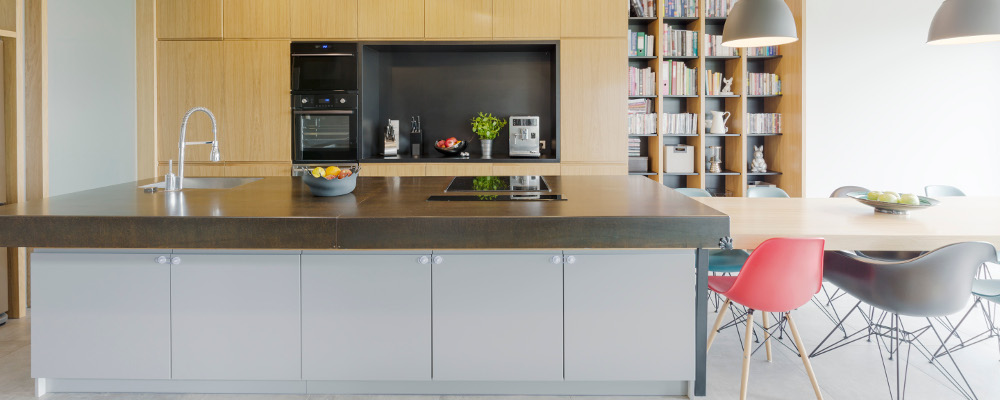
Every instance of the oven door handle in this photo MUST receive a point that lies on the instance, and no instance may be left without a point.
(324, 112)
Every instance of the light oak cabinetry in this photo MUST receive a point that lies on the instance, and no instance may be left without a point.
(255, 19)
(594, 18)
(391, 19)
(593, 100)
(550, 169)
(393, 169)
(593, 169)
(189, 19)
(458, 19)
(189, 74)
(257, 112)
(456, 169)
(536, 19)
(324, 19)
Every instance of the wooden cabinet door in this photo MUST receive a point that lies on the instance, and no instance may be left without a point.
(189, 19)
(630, 316)
(543, 169)
(535, 19)
(324, 19)
(458, 19)
(594, 18)
(497, 317)
(189, 74)
(236, 317)
(391, 19)
(366, 317)
(456, 169)
(258, 118)
(386, 169)
(593, 100)
(100, 316)
(253, 19)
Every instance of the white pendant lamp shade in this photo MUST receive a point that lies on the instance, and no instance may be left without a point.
(966, 21)
(755, 23)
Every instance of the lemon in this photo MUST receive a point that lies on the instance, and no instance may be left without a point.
(332, 171)
(318, 172)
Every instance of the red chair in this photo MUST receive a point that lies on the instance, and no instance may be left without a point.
(778, 277)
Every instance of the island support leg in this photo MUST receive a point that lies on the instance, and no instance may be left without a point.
(701, 322)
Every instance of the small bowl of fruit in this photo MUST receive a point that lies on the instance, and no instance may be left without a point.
(893, 203)
(331, 181)
(450, 147)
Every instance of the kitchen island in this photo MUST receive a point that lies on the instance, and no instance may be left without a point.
(263, 288)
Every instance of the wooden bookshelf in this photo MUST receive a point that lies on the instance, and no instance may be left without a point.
(782, 151)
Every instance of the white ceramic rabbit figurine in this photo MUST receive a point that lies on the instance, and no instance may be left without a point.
(758, 165)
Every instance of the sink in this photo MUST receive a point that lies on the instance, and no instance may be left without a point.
(208, 183)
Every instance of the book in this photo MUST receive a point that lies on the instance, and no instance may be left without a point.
(641, 81)
(680, 124)
(763, 84)
(640, 44)
(714, 47)
(679, 42)
(762, 51)
(680, 8)
(680, 80)
(642, 8)
(765, 123)
(642, 119)
(713, 83)
(718, 8)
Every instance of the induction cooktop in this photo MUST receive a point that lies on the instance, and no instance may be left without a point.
(500, 197)
(526, 183)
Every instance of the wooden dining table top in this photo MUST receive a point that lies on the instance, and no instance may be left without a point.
(846, 224)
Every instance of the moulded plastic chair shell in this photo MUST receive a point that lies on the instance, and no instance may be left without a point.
(781, 274)
(694, 192)
(942, 191)
(988, 289)
(935, 284)
(844, 190)
(767, 192)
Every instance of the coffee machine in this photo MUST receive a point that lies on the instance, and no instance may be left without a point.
(524, 137)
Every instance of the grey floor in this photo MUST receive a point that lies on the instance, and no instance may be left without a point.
(852, 372)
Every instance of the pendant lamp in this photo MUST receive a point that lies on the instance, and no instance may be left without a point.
(965, 21)
(756, 23)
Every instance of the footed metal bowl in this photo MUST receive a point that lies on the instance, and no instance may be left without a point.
(893, 208)
(455, 151)
(334, 187)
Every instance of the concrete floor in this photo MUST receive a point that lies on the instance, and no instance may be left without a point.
(853, 372)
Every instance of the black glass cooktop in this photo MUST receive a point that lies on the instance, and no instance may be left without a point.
(528, 183)
(500, 197)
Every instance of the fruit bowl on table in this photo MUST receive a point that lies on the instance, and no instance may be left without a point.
(323, 187)
(455, 150)
(893, 208)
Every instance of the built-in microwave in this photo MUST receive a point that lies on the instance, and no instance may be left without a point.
(324, 67)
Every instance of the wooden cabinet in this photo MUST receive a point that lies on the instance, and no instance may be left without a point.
(630, 316)
(189, 74)
(391, 19)
(536, 19)
(543, 169)
(458, 19)
(257, 115)
(455, 169)
(324, 19)
(366, 317)
(385, 169)
(244, 19)
(100, 316)
(189, 19)
(593, 100)
(593, 169)
(236, 317)
(497, 317)
(594, 18)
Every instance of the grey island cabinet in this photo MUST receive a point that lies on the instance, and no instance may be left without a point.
(609, 304)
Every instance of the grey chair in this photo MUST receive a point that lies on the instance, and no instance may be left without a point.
(942, 191)
(765, 191)
(694, 192)
(932, 285)
(844, 190)
(983, 289)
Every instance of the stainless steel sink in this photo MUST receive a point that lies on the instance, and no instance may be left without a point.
(208, 183)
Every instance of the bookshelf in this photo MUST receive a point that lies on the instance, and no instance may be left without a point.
(782, 150)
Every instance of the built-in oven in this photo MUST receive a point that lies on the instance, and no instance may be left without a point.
(325, 128)
(324, 67)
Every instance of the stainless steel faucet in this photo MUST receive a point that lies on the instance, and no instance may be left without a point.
(213, 157)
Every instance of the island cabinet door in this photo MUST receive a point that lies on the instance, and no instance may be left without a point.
(498, 317)
(366, 317)
(236, 316)
(630, 316)
(100, 316)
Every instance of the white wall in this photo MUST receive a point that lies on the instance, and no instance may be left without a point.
(92, 94)
(886, 111)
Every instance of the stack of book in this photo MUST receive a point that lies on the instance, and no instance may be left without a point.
(642, 8)
(679, 80)
(641, 81)
(713, 83)
(763, 123)
(634, 145)
(640, 44)
(679, 42)
(762, 51)
(641, 118)
(718, 8)
(680, 8)
(714, 47)
(763, 84)
(680, 124)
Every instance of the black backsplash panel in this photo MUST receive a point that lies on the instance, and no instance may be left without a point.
(447, 85)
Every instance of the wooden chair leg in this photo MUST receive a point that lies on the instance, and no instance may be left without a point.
(805, 357)
(746, 356)
(767, 336)
(718, 322)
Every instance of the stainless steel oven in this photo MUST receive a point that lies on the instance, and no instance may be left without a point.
(325, 128)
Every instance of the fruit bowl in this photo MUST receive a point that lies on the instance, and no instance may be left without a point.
(893, 208)
(323, 187)
(453, 151)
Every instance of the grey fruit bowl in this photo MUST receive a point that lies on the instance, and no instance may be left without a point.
(334, 187)
(893, 208)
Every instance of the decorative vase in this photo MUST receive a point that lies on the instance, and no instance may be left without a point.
(487, 147)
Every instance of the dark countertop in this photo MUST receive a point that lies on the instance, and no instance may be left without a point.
(382, 213)
(474, 158)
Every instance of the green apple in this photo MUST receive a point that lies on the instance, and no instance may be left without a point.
(909, 198)
(891, 192)
(874, 194)
(888, 197)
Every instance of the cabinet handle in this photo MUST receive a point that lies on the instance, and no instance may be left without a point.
(438, 260)
(161, 260)
(556, 260)
(423, 260)
(570, 259)
(175, 260)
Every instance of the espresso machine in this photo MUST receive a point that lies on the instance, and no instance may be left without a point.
(524, 137)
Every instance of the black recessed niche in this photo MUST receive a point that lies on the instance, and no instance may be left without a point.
(448, 84)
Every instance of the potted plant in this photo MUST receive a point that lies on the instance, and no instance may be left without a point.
(487, 127)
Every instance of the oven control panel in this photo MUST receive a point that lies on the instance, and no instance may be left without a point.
(324, 101)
